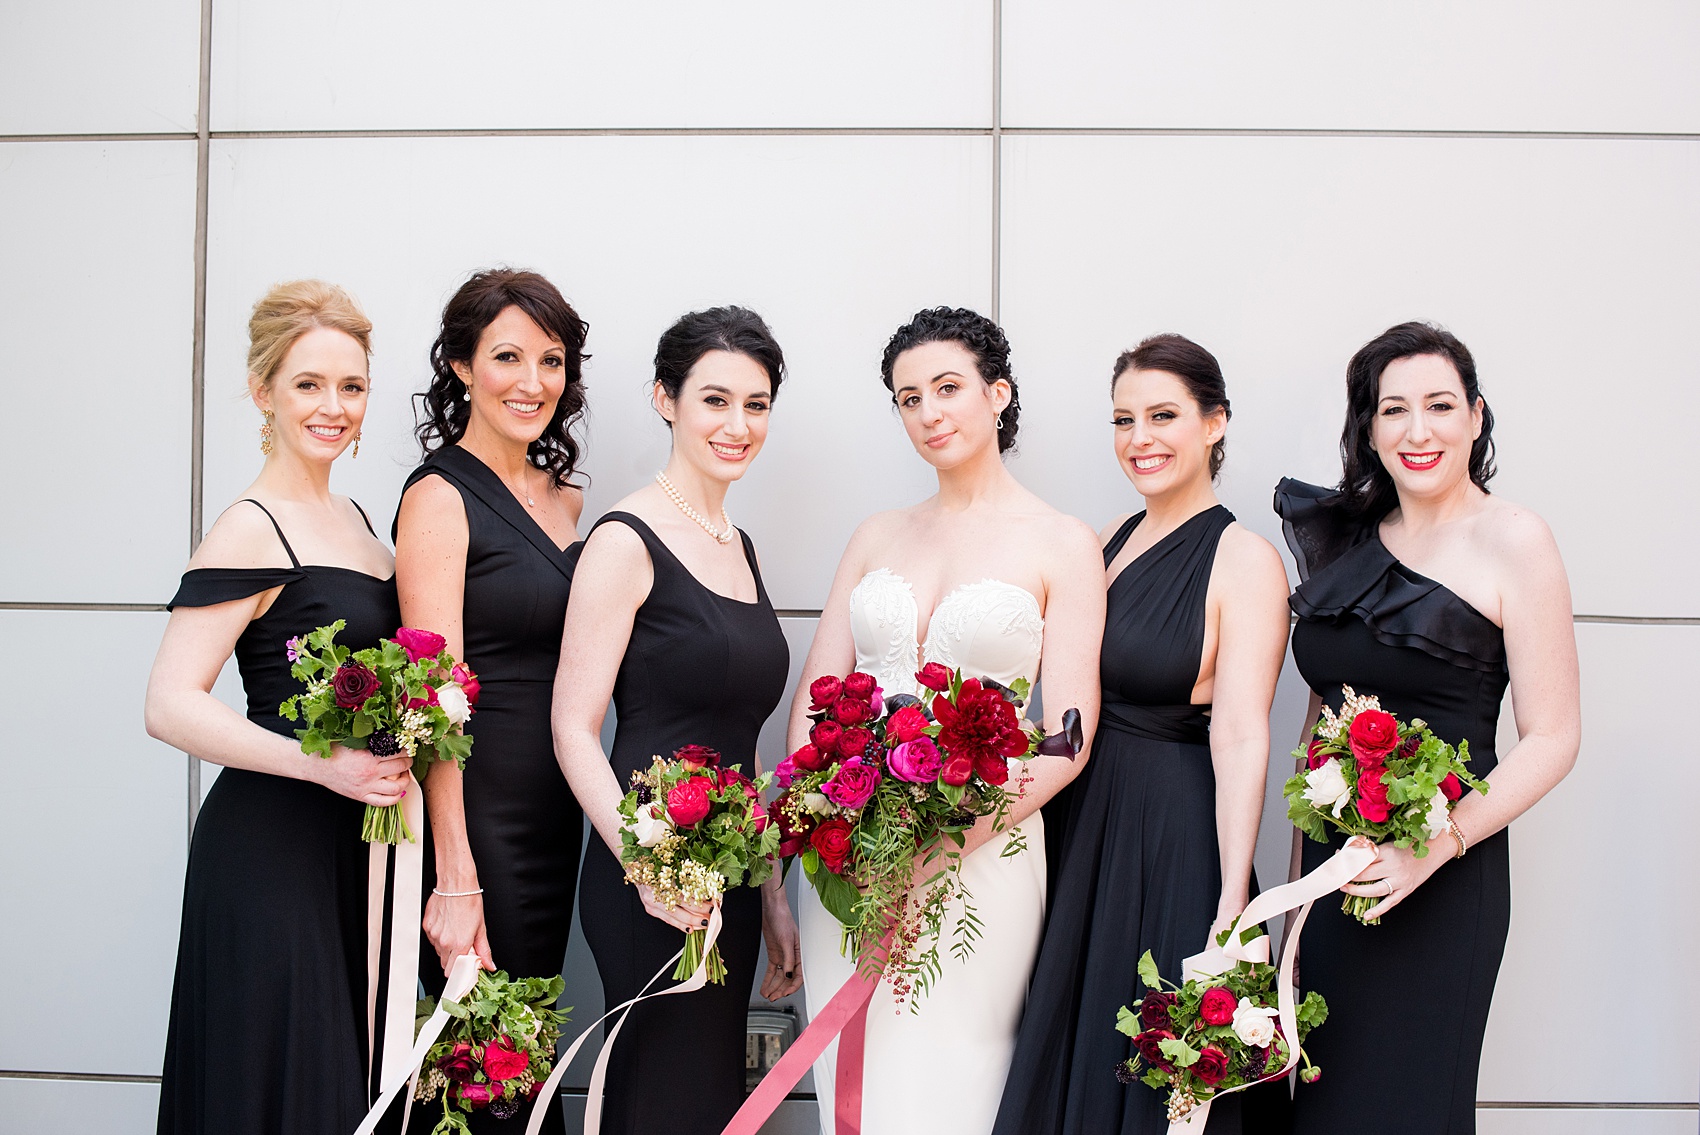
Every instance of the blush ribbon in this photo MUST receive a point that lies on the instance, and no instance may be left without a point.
(406, 901)
(462, 976)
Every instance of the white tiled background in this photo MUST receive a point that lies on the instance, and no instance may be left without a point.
(1280, 182)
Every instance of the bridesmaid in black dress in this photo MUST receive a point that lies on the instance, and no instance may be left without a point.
(268, 1028)
(1489, 606)
(480, 558)
(669, 615)
(1163, 820)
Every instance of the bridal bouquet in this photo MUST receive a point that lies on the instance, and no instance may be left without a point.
(405, 695)
(497, 1051)
(882, 780)
(1369, 774)
(1212, 1034)
(690, 829)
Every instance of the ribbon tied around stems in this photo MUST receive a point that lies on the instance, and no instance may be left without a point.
(1340, 869)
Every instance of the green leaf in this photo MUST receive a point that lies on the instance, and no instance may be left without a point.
(314, 742)
(1179, 1052)
(836, 894)
(1148, 971)
(1127, 1022)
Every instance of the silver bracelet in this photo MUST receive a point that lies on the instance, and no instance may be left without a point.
(455, 894)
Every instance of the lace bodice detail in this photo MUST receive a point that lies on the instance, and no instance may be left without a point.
(989, 629)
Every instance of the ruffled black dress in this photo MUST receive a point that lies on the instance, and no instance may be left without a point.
(1408, 999)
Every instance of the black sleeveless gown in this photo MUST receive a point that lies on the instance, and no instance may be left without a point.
(704, 669)
(522, 821)
(1140, 867)
(1368, 621)
(268, 1010)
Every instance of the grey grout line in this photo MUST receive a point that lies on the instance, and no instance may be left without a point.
(997, 160)
(184, 136)
(618, 132)
(198, 365)
(82, 606)
(83, 1077)
(1328, 132)
(1640, 620)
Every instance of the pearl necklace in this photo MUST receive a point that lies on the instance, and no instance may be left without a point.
(724, 537)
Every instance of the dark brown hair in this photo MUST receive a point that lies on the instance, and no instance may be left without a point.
(735, 329)
(1198, 371)
(977, 335)
(469, 311)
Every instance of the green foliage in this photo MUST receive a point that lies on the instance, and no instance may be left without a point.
(519, 1011)
(1148, 971)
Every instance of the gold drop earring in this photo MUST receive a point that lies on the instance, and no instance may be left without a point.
(356, 452)
(266, 434)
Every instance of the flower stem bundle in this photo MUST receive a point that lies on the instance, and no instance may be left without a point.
(498, 1048)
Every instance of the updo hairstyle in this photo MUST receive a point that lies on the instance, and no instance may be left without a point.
(735, 329)
(1198, 371)
(979, 336)
(1366, 488)
(289, 311)
(469, 311)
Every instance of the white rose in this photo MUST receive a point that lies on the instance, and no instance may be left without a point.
(452, 700)
(1255, 1025)
(649, 828)
(1325, 786)
(1438, 809)
(816, 804)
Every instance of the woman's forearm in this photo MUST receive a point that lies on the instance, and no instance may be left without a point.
(592, 780)
(457, 870)
(1528, 772)
(1240, 777)
(208, 730)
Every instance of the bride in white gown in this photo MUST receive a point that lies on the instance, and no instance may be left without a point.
(986, 577)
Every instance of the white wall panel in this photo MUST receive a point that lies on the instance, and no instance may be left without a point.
(73, 1107)
(543, 63)
(1334, 64)
(99, 67)
(1583, 1121)
(1570, 268)
(93, 818)
(1604, 874)
(834, 240)
(96, 318)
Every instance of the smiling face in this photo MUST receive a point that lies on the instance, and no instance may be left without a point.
(1424, 426)
(1163, 438)
(720, 417)
(949, 411)
(317, 396)
(516, 375)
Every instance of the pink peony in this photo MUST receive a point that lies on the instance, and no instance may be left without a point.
(917, 761)
(853, 785)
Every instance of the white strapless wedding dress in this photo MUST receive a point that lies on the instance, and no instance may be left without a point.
(942, 1068)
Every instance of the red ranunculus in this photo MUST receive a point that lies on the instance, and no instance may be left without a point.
(479, 1095)
(419, 644)
(1314, 756)
(687, 801)
(825, 735)
(793, 837)
(906, 724)
(956, 771)
(695, 757)
(1154, 1010)
(429, 697)
(854, 742)
(859, 686)
(504, 1061)
(1372, 736)
(352, 684)
(810, 758)
(1451, 787)
(850, 711)
(823, 691)
(459, 1064)
(1217, 1006)
(992, 770)
(934, 676)
(1150, 1046)
(831, 841)
(468, 681)
(1211, 1065)
(1372, 796)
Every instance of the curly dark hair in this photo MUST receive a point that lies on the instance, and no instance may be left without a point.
(735, 329)
(1198, 371)
(1366, 488)
(980, 337)
(469, 311)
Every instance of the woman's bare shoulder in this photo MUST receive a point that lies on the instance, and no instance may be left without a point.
(241, 537)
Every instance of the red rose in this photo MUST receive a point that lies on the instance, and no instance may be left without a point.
(478, 1095)
(468, 681)
(831, 842)
(1314, 756)
(850, 711)
(906, 724)
(1372, 796)
(934, 676)
(459, 1064)
(1211, 1065)
(855, 742)
(825, 735)
(1154, 1010)
(696, 757)
(687, 801)
(810, 759)
(419, 644)
(1150, 1046)
(992, 770)
(860, 687)
(1217, 1007)
(1451, 787)
(1372, 736)
(353, 684)
(728, 777)
(956, 771)
(823, 692)
(793, 836)
(502, 1061)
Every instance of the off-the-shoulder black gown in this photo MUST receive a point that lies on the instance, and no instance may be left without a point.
(1408, 999)
(268, 1011)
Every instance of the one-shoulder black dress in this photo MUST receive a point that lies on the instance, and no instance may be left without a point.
(1141, 869)
(1407, 999)
(268, 1011)
(522, 821)
(703, 669)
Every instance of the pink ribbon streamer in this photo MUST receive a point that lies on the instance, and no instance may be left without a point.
(462, 976)
(1344, 866)
(407, 901)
